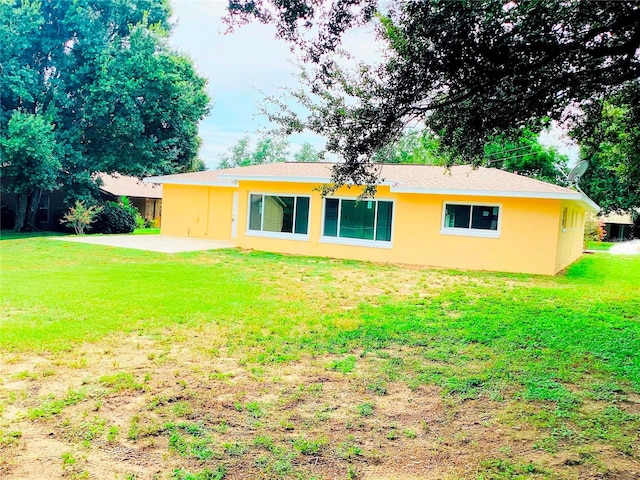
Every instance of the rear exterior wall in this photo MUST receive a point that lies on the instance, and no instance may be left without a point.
(527, 239)
(197, 211)
(530, 238)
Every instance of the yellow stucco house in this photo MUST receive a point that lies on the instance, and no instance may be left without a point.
(462, 218)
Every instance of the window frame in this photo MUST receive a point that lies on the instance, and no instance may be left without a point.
(47, 208)
(468, 231)
(564, 219)
(278, 235)
(357, 242)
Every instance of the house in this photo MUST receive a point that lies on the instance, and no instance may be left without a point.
(461, 218)
(145, 197)
(618, 227)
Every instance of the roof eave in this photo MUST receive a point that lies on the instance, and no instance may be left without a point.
(274, 178)
(149, 195)
(163, 180)
(587, 202)
(498, 193)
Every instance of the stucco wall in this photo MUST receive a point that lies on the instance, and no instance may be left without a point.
(570, 236)
(195, 211)
(529, 240)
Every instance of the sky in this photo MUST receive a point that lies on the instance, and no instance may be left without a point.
(244, 66)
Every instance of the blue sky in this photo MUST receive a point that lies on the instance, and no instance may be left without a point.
(244, 66)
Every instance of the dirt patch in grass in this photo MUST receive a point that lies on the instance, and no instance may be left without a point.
(151, 409)
(251, 365)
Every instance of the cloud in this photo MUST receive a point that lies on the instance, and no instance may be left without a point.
(241, 68)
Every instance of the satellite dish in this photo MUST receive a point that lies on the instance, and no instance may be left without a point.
(577, 171)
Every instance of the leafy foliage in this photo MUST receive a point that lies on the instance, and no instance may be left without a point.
(81, 217)
(593, 230)
(266, 150)
(307, 153)
(526, 156)
(413, 146)
(104, 75)
(466, 70)
(29, 163)
(609, 135)
(117, 217)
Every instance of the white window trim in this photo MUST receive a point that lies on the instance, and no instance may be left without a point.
(564, 219)
(278, 235)
(358, 242)
(471, 232)
(304, 237)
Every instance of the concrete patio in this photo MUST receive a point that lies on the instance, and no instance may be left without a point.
(152, 243)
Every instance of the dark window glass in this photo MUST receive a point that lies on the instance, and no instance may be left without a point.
(357, 219)
(457, 216)
(331, 217)
(484, 218)
(302, 215)
(272, 213)
(383, 228)
(42, 215)
(255, 212)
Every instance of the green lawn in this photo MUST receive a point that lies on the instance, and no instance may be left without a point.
(599, 245)
(555, 357)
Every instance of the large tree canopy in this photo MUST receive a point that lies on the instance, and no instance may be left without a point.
(609, 135)
(526, 156)
(102, 75)
(466, 69)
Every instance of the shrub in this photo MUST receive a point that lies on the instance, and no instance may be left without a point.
(593, 229)
(80, 217)
(117, 217)
(140, 221)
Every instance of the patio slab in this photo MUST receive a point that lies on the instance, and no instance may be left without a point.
(152, 243)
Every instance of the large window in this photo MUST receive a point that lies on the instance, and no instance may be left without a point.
(361, 220)
(279, 214)
(471, 219)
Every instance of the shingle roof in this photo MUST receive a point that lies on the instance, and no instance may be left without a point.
(119, 185)
(425, 179)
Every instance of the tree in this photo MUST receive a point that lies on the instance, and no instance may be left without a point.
(609, 137)
(526, 156)
(267, 150)
(413, 146)
(104, 76)
(80, 217)
(467, 70)
(307, 153)
(29, 163)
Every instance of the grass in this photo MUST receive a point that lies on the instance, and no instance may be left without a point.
(603, 246)
(555, 358)
(146, 231)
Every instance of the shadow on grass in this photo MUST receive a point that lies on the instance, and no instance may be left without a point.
(11, 235)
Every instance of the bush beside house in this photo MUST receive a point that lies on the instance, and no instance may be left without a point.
(117, 217)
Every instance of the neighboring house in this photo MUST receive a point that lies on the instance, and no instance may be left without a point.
(618, 227)
(146, 197)
(463, 218)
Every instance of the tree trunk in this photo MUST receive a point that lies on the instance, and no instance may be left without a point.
(26, 211)
(21, 212)
(33, 209)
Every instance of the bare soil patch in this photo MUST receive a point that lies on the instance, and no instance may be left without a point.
(152, 409)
